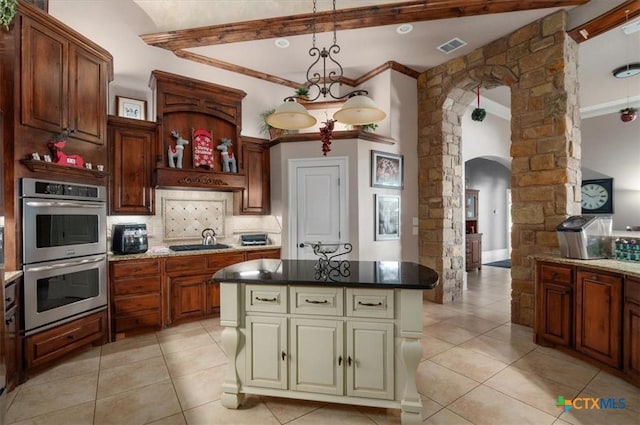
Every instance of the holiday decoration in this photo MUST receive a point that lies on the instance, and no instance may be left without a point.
(203, 148)
(478, 114)
(228, 160)
(176, 152)
(326, 132)
(61, 158)
(628, 114)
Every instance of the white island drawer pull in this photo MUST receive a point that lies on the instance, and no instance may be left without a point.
(267, 300)
(317, 302)
(370, 304)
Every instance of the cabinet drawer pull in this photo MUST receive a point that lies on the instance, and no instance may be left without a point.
(317, 302)
(70, 337)
(267, 300)
(9, 300)
(370, 304)
(284, 355)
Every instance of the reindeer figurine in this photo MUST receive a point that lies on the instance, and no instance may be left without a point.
(59, 157)
(176, 152)
(228, 160)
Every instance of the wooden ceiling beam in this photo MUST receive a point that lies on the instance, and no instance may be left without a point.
(607, 21)
(353, 18)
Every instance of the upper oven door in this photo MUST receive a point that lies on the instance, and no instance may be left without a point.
(55, 229)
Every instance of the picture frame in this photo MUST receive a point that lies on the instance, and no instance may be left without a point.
(131, 108)
(387, 170)
(387, 217)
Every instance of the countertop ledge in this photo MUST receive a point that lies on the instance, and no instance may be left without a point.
(628, 268)
(150, 254)
(11, 276)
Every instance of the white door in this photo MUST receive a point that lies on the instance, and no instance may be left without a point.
(318, 200)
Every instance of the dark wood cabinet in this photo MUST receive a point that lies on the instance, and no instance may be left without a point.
(554, 301)
(132, 145)
(473, 251)
(64, 84)
(184, 105)
(264, 253)
(598, 312)
(49, 345)
(136, 295)
(12, 340)
(631, 330)
(255, 198)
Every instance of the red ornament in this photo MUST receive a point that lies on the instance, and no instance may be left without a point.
(60, 157)
(326, 133)
(628, 114)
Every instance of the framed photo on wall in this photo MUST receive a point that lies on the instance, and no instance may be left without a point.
(387, 170)
(387, 217)
(132, 108)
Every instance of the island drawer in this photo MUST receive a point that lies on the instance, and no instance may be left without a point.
(263, 298)
(317, 300)
(370, 303)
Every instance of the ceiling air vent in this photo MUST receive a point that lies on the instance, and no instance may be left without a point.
(451, 45)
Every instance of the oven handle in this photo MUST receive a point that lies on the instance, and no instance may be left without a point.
(40, 204)
(61, 265)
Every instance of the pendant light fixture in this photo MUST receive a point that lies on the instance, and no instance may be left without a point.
(357, 110)
(627, 114)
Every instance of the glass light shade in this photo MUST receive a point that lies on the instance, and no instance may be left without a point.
(290, 116)
(359, 110)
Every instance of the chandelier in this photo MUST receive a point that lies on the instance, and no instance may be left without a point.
(357, 110)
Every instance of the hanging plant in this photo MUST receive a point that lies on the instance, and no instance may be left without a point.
(8, 10)
(628, 114)
(478, 114)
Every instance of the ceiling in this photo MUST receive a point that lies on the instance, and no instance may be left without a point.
(365, 49)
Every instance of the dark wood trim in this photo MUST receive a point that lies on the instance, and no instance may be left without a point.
(337, 135)
(352, 18)
(605, 22)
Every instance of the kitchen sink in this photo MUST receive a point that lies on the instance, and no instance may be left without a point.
(197, 247)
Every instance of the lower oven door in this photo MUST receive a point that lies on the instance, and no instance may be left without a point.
(62, 290)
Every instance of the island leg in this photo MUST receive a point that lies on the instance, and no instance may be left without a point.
(231, 397)
(411, 404)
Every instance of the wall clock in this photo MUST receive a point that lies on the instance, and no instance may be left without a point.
(597, 196)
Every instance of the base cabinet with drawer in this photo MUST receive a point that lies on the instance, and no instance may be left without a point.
(334, 344)
(631, 330)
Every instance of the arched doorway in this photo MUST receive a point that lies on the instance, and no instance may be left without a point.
(539, 64)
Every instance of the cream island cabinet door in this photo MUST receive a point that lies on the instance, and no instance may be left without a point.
(267, 351)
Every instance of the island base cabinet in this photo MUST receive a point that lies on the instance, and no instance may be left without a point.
(302, 342)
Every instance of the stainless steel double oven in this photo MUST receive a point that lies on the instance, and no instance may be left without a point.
(64, 252)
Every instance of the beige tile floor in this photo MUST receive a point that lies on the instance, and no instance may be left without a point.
(477, 368)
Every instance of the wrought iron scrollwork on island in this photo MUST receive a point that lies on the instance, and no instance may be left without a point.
(328, 267)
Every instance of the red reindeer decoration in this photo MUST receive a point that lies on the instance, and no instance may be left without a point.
(60, 157)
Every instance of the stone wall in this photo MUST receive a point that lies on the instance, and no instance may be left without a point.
(538, 63)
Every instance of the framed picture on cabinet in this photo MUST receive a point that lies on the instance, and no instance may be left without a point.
(386, 170)
(387, 217)
(132, 108)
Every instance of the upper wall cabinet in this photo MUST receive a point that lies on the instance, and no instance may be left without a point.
(64, 83)
(185, 106)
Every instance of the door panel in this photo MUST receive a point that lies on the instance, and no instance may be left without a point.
(318, 209)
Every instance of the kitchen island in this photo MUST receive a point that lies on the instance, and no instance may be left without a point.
(342, 332)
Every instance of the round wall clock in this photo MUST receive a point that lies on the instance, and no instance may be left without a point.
(597, 196)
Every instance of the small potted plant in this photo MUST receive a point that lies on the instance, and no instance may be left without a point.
(302, 93)
(7, 12)
(628, 114)
(265, 128)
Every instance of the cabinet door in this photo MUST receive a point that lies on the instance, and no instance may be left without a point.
(87, 96)
(266, 352)
(554, 304)
(132, 169)
(598, 310)
(317, 360)
(213, 297)
(256, 197)
(370, 360)
(188, 296)
(631, 349)
(44, 77)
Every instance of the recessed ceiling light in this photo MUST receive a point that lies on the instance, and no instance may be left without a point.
(628, 70)
(404, 28)
(282, 43)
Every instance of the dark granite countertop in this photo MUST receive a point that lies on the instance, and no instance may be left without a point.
(376, 274)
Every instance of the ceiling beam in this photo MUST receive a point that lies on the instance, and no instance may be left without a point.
(353, 18)
(607, 21)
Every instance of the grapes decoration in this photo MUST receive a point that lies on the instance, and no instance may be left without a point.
(326, 132)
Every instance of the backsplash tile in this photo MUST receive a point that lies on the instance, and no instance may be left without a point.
(186, 218)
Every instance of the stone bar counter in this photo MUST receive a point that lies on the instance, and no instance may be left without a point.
(334, 331)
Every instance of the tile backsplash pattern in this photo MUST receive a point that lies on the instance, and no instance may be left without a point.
(232, 225)
(186, 218)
